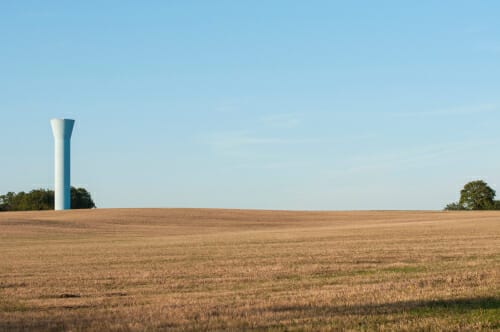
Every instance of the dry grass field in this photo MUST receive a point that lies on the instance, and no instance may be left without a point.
(204, 269)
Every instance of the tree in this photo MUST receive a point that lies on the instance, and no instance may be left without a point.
(3, 203)
(477, 195)
(38, 199)
(454, 207)
(81, 199)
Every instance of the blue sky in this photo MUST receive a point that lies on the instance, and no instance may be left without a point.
(254, 104)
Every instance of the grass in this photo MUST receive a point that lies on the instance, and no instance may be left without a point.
(199, 269)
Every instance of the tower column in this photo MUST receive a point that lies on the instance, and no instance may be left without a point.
(62, 130)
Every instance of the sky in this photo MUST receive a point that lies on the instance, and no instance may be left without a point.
(304, 105)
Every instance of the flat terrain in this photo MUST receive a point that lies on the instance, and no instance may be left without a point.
(204, 269)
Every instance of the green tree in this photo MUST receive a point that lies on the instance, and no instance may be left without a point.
(81, 199)
(454, 207)
(477, 195)
(39, 199)
(7, 200)
(3, 203)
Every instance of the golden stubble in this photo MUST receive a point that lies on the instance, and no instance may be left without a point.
(211, 269)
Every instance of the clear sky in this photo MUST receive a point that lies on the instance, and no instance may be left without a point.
(254, 104)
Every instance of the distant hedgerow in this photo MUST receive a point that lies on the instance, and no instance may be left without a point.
(43, 199)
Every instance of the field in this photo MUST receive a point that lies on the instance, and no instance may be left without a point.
(209, 269)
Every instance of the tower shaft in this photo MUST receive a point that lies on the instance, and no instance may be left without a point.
(62, 130)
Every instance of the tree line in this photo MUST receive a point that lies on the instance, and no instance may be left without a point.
(43, 199)
(476, 195)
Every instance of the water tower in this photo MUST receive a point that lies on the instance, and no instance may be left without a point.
(62, 129)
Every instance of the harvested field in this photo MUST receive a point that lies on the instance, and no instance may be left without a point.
(209, 269)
